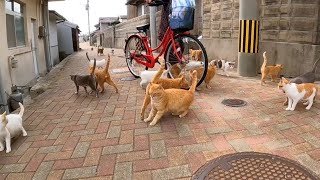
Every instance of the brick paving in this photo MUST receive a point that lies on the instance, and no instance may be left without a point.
(80, 137)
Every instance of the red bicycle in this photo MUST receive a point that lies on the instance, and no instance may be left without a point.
(176, 49)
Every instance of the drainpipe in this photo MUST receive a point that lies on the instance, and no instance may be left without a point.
(46, 39)
(3, 94)
(153, 31)
(248, 38)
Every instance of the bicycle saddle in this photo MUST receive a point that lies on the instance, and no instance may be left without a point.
(156, 3)
(143, 28)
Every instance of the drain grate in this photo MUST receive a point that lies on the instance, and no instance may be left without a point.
(131, 78)
(253, 165)
(234, 102)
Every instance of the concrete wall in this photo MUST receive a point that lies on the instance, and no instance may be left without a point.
(289, 32)
(65, 38)
(24, 73)
(54, 49)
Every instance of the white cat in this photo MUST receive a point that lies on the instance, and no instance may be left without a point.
(11, 126)
(100, 64)
(146, 77)
(224, 65)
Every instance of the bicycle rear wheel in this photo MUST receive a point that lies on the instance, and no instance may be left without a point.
(196, 60)
(135, 45)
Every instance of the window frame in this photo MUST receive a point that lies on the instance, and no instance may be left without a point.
(15, 14)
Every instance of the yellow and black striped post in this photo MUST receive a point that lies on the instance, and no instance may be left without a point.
(248, 37)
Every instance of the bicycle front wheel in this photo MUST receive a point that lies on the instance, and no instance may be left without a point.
(135, 45)
(193, 55)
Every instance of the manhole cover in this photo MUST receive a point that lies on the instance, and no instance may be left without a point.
(253, 165)
(234, 102)
(120, 70)
(131, 78)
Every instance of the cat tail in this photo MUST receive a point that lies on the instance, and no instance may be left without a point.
(315, 65)
(21, 110)
(87, 56)
(264, 60)
(158, 75)
(108, 64)
(4, 118)
(94, 66)
(194, 81)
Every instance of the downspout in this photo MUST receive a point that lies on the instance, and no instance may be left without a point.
(45, 19)
(3, 94)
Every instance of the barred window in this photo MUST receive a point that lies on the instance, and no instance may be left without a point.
(15, 24)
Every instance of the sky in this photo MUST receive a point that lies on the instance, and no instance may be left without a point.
(75, 12)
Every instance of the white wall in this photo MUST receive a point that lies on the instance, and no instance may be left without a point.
(65, 38)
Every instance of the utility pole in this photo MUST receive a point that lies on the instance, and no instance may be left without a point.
(153, 24)
(87, 8)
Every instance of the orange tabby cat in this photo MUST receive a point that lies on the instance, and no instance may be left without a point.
(176, 101)
(178, 83)
(210, 73)
(296, 92)
(104, 76)
(272, 71)
(195, 54)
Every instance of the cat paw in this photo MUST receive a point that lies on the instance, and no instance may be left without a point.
(76, 92)
(153, 123)
(1, 148)
(287, 109)
(306, 103)
(24, 134)
(147, 120)
(292, 109)
(8, 149)
(308, 108)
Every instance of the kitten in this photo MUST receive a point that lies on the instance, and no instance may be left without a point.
(296, 92)
(308, 77)
(86, 80)
(226, 66)
(272, 71)
(100, 50)
(147, 76)
(176, 101)
(177, 68)
(195, 54)
(178, 83)
(104, 76)
(11, 126)
(210, 73)
(100, 64)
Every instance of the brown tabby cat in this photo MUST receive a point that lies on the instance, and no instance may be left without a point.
(176, 101)
(178, 83)
(272, 71)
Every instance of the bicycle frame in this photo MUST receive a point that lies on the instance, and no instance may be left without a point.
(168, 37)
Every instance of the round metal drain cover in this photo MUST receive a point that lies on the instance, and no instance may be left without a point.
(131, 78)
(253, 165)
(234, 102)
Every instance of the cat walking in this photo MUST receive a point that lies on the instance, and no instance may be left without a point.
(272, 71)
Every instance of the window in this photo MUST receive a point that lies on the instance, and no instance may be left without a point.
(141, 10)
(15, 24)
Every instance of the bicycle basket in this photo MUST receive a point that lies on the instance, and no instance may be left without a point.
(182, 18)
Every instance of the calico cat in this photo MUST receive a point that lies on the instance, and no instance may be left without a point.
(308, 77)
(176, 101)
(86, 80)
(100, 50)
(104, 76)
(178, 83)
(296, 92)
(99, 64)
(195, 54)
(272, 71)
(226, 66)
(210, 73)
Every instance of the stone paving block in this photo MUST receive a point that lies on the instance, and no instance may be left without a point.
(55, 133)
(157, 149)
(218, 130)
(68, 164)
(77, 173)
(183, 130)
(8, 168)
(311, 139)
(20, 176)
(117, 149)
(93, 157)
(276, 144)
(114, 132)
(176, 156)
(172, 172)
(284, 126)
(133, 156)
(240, 145)
(123, 171)
(143, 175)
(81, 150)
(149, 130)
(199, 147)
(43, 170)
(310, 163)
(50, 149)
(35, 162)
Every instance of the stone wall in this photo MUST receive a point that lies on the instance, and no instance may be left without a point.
(289, 32)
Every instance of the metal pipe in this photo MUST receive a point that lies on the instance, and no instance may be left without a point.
(46, 40)
(153, 25)
(248, 37)
(87, 7)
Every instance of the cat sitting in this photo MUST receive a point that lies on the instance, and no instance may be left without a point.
(178, 83)
(10, 127)
(272, 71)
(308, 77)
(100, 50)
(210, 73)
(104, 76)
(224, 65)
(146, 77)
(176, 101)
(296, 92)
(195, 54)
(86, 80)
(100, 64)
